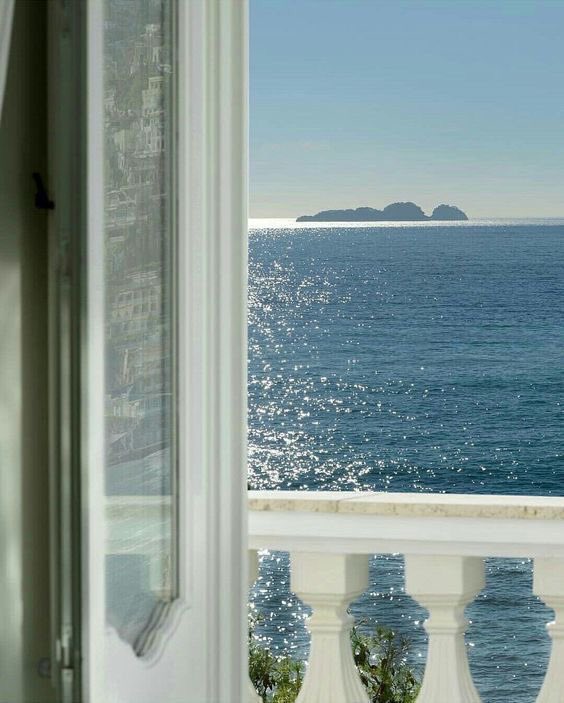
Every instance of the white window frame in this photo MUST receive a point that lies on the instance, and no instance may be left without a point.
(212, 273)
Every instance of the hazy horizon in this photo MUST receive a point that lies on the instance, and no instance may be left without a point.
(367, 103)
(284, 220)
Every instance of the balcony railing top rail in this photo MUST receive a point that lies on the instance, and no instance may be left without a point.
(411, 504)
(408, 523)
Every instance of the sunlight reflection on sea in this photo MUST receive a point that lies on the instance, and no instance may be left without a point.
(417, 357)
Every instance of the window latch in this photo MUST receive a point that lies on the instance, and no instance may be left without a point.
(42, 200)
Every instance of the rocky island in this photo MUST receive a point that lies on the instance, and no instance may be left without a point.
(396, 212)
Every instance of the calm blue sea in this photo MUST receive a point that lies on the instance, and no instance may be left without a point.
(412, 358)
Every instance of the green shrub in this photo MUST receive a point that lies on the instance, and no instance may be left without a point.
(380, 659)
(276, 679)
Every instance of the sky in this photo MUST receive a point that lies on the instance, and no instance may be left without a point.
(367, 102)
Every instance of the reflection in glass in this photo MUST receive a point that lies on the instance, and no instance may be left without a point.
(139, 317)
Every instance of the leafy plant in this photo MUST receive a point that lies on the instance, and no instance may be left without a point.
(381, 660)
(276, 679)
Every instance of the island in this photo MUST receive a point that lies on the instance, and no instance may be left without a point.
(395, 212)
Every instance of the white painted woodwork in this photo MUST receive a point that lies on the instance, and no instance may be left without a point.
(200, 652)
(548, 584)
(328, 583)
(253, 563)
(445, 585)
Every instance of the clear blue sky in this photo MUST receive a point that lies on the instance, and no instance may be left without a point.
(366, 102)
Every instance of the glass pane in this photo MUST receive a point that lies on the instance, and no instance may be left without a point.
(139, 316)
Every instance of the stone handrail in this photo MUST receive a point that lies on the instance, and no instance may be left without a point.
(444, 539)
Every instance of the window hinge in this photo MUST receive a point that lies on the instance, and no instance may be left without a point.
(65, 661)
(65, 653)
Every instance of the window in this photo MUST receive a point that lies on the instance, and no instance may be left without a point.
(140, 373)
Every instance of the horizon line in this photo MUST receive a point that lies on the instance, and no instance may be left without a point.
(470, 219)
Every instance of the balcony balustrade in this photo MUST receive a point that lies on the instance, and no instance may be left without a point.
(444, 539)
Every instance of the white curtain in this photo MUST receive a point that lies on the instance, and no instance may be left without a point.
(6, 16)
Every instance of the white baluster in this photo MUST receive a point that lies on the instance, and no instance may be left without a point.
(328, 583)
(252, 695)
(548, 584)
(445, 585)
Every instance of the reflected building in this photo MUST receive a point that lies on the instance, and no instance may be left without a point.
(138, 322)
(139, 373)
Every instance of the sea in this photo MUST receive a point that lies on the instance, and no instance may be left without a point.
(423, 357)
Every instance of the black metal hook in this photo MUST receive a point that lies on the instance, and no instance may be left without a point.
(42, 201)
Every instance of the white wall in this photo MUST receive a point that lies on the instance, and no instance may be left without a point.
(24, 536)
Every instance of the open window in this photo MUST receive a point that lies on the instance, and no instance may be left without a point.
(148, 163)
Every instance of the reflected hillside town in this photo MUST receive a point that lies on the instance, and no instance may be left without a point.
(139, 205)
